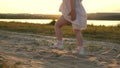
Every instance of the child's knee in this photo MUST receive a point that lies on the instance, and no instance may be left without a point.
(57, 25)
(76, 31)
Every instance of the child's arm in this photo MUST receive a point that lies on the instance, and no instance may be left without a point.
(73, 12)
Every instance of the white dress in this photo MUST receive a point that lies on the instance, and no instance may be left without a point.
(81, 17)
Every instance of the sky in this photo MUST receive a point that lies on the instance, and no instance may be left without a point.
(52, 6)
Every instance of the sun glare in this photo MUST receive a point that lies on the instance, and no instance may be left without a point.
(93, 6)
(52, 7)
(30, 6)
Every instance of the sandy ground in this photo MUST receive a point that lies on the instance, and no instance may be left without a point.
(22, 50)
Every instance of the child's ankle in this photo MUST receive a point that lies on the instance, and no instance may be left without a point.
(80, 47)
(60, 42)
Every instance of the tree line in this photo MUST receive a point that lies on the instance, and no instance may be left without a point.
(91, 16)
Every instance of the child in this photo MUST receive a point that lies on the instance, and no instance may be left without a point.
(72, 12)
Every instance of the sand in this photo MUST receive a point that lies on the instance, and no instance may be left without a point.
(23, 50)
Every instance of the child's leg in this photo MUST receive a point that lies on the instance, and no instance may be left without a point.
(58, 25)
(61, 21)
(79, 37)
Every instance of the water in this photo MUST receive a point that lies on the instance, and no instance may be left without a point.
(41, 21)
(104, 22)
(45, 21)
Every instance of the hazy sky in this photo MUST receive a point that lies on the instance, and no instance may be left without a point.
(52, 6)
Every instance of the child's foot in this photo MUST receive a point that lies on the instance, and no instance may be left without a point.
(58, 45)
(79, 50)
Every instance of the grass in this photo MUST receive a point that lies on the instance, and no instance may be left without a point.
(94, 48)
(100, 33)
(1, 66)
(103, 33)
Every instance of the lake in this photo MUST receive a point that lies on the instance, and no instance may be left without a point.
(45, 21)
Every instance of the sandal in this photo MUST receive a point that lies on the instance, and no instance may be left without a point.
(58, 45)
(79, 50)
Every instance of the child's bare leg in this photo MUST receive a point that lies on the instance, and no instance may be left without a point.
(79, 37)
(58, 25)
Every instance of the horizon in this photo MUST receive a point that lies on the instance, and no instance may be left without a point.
(60, 14)
(39, 6)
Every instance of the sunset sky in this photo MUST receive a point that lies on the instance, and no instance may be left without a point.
(52, 6)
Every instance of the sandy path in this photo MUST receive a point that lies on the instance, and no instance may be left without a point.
(19, 50)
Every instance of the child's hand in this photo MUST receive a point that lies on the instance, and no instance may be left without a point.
(72, 14)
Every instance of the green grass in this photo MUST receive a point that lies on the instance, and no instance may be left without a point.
(103, 33)
(94, 48)
(1, 65)
(100, 33)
